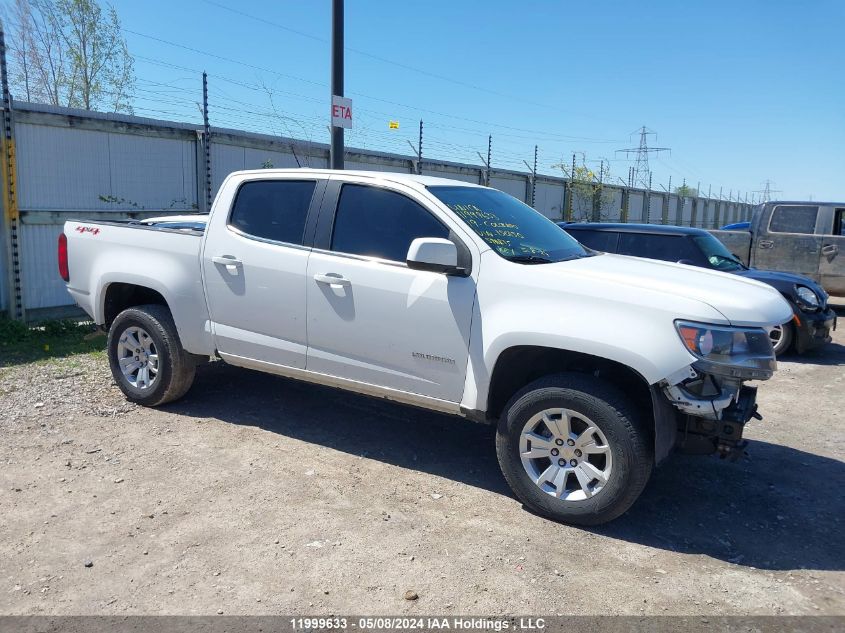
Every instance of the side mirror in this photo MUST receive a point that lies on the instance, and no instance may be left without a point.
(434, 254)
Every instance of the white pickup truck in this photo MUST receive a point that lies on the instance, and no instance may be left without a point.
(443, 295)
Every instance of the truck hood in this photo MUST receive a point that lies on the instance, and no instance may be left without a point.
(741, 301)
(782, 281)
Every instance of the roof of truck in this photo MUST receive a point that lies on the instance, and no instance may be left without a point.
(809, 203)
(425, 181)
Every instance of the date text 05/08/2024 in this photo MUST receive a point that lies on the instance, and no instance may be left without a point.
(419, 623)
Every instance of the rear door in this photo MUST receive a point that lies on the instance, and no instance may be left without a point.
(832, 265)
(254, 264)
(790, 242)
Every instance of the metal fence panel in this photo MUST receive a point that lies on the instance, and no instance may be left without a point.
(447, 171)
(137, 161)
(4, 271)
(513, 185)
(42, 286)
(548, 199)
(636, 203)
(62, 168)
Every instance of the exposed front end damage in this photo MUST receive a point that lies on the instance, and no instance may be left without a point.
(712, 407)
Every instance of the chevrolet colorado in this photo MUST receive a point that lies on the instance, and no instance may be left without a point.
(443, 295)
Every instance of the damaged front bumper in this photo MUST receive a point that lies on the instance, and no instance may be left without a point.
(710, 410)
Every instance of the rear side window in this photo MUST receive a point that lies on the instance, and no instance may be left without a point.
(794, 219)
(379, 223)
(670, 248)
(604, 241)
(839, 222)
(273, 209)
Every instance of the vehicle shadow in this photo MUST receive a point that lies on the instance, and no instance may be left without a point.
(778, 508)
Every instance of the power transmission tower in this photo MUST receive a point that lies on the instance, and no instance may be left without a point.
(641, 170)
(767, 191)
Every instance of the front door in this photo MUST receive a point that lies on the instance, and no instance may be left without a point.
(790, 243)
(254, 265)
(832, 267)
(374, 320)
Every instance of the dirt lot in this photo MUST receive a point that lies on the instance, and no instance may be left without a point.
(256, 494)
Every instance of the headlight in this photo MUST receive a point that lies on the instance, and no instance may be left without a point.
(808, 299)
(729, 351)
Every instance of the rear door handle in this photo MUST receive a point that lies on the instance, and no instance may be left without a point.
(332, 279)
(229, 261)
(830, 249)
(765, 243)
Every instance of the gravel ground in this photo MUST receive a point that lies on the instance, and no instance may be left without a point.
(257, 494)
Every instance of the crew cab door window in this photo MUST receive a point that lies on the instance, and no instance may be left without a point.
(376, 222)
(794, 219)
(376, 321)
(273, 209)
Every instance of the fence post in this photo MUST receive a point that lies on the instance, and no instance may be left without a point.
(626, 201)
(206, 128)
(11, 215)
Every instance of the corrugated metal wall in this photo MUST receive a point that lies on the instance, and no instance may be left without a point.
(4, 270)
(73, 163)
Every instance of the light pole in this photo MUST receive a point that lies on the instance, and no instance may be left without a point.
(336, 153)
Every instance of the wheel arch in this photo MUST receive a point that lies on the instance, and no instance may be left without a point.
(118, 296)
(520, 365)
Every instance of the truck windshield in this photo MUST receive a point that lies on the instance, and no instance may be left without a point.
(717, 254)
(512, 229)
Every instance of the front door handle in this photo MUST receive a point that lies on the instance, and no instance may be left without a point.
(332, 279)
(829, 250)
(229, 261)
(765, 243)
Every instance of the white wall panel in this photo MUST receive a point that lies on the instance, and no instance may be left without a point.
(42, 286)
(62, 168)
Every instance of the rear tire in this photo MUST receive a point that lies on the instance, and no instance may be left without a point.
(585, 425)
(146, 356)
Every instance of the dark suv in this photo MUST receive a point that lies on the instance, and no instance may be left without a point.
(812, 318)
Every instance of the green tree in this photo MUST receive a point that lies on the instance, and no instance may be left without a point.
(592, 199)
(70, 53)
(686, 191)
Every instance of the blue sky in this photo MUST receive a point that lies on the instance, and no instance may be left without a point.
(741, 91)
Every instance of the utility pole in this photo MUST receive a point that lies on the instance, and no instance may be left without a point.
(641, 170)
(767, 191)
(11, 218)
(648, 201)
(336, 151)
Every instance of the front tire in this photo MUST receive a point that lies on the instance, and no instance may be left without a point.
(782, 337)
(572, 449)
(146, 356)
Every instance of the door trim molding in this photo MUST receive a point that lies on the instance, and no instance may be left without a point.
(395, 395)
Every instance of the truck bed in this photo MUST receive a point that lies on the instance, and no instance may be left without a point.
(163, 254)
